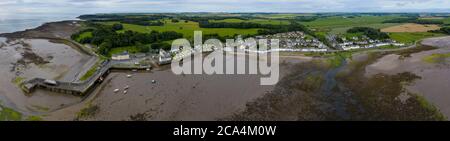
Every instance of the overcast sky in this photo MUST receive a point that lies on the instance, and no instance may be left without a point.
(11, 7)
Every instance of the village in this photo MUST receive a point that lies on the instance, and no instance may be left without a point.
(344, 43)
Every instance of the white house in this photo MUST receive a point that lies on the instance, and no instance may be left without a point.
(164, 57)
(121, 56)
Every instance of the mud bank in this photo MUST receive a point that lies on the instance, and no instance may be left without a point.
(353, 96)
(29, 58)
(172, 98)
(434, 76)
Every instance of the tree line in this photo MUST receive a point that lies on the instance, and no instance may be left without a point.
(106, 38)
(372, 33)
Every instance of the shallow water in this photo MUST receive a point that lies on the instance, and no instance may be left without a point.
(22, 22)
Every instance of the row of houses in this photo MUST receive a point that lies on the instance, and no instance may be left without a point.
(295, 40)
(374, 45)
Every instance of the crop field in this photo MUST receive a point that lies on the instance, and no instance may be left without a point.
(260, 21)
(412, 37)
(187, 29)
(84, 35)
(339, 24)
(281, 16)
(411, 27)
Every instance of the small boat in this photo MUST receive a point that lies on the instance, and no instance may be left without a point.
(116, 90)
(153, 81)
(129, 76)
(127, 87)
(125, 92)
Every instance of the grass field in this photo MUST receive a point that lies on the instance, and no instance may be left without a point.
(281, 15)
(118, 50)
(411, 27)
(187, 29)
(84, 35)
(260, 21)
(412, 37)
(339, 24)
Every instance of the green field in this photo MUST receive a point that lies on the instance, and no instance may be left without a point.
(412, 37)
(118, 50)
(260, 21)
(447, 21)
(281, 15)
(187, 29)
(339, 24)
(84, 35)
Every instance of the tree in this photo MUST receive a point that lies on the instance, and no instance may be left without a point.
(104, 48)
(117, 27)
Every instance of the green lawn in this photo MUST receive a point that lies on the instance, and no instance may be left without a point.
(187, 29)
(339, 24)
(412, 37)
(84, 35)
(118, 50)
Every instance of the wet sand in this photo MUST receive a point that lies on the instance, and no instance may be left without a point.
(434, 81)
(49, 60)
(172, 97)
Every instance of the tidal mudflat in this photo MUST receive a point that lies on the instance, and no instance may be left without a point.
(24, 59)
(170, 96)
(434, 81)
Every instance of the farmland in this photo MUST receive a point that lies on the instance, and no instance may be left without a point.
(340, 24)
(186, 28)
(411, 27)
(412, 37)
(260, 21)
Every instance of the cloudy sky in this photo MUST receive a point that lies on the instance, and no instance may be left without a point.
(9, 7)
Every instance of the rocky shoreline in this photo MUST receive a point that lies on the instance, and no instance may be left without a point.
(52, 30)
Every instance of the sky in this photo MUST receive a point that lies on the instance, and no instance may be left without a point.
(78, 7)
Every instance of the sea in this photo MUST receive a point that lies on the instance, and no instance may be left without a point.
(20, 22)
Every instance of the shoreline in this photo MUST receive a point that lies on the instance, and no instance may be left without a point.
(58, 29)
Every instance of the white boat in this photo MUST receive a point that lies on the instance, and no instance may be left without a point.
(125, 92)
(129, 76)
(127, 87)
(116, 90)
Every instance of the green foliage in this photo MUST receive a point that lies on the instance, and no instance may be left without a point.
(8, 114)
(91, 71)
(437, 58)
(369, 32)
(34, 118)
(117, 27)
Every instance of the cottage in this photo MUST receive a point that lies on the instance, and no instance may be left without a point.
(121, 56)
(164, 57)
